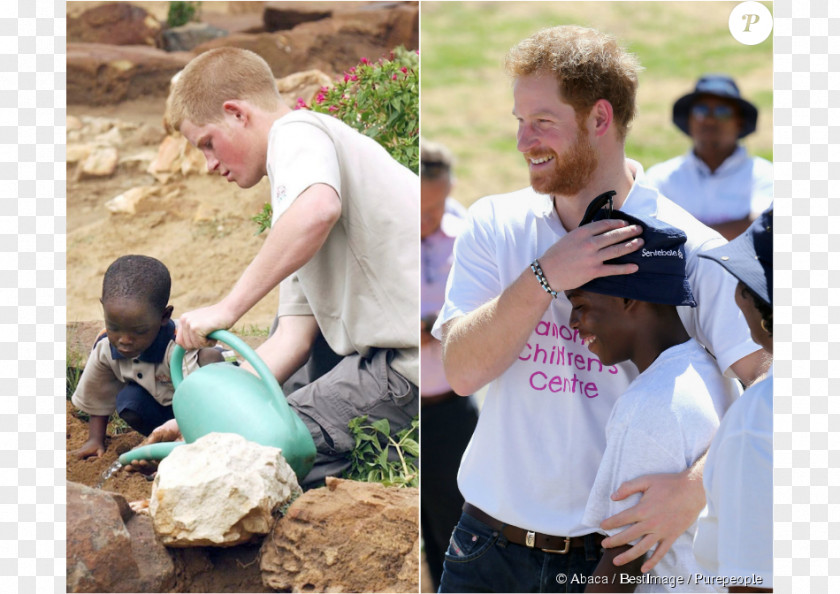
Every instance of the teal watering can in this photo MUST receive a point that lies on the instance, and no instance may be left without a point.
(225, 398)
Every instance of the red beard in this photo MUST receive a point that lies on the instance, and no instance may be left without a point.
(570, 173)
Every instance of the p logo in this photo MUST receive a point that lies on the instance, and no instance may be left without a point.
(750, 23)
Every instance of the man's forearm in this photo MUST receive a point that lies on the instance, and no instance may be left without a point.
(294, 239)
(290, 345)
(481, 345)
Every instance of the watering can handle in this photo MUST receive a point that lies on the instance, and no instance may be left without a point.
(237, 344)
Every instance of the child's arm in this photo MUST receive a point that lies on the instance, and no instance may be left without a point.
(95, 444)
(607, 577)
(209, 355)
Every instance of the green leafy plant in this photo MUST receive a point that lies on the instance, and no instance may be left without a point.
(371, 460)
(379, 99)
(181, 13)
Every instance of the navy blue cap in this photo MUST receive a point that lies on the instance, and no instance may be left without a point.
(749, 257)
(661, 275)
(718, 85)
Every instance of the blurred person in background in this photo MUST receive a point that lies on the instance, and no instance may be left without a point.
(716, 180)
(448, 419)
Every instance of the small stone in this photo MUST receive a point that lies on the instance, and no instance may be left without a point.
(101, 162)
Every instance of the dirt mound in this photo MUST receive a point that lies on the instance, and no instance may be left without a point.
(88, 472)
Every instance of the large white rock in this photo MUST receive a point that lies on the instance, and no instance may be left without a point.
(220, 490)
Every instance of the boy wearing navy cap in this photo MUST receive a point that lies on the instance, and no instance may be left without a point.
(667, 416)
(716, 180)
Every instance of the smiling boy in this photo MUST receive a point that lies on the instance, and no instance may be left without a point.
(668, 415)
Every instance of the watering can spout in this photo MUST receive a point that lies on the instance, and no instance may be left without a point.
(152, 451)
(224, 398)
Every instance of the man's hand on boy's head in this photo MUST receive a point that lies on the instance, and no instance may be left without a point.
(669, 505)
(579, 256)
(91, 447)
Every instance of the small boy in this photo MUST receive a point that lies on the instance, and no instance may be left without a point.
(668, 415)
(128, 367)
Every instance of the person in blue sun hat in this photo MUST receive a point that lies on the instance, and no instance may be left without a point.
(716, 180)
(735, 532)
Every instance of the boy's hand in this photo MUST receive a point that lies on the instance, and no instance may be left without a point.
(194, 326)
(169, 431)
(670, 503)
(92, 447)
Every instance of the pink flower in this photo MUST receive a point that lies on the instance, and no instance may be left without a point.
(354, 78)
(301, 104)
(320, 97)
(346, 77)
(333, 108)
(364, 61)
(394, 77)
(404, 70)
(352, 69)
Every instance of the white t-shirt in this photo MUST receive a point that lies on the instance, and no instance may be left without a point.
(735, 531)
(362, 285)
(540, 436)
(741, 186)
(662, 424)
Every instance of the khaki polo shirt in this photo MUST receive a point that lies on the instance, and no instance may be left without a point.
(107, 372)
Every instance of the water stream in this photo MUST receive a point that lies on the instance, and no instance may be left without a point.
(109, 473)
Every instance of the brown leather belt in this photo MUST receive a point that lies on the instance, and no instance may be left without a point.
(437, 398)
(529, 538)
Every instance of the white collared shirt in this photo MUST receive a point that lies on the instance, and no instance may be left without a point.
(741, 186)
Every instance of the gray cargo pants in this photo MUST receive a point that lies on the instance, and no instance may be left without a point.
(330, 390)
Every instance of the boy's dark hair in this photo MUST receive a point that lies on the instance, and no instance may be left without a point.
(138, 277)
(765, 310)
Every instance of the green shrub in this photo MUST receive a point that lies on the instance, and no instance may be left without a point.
(380, 100)
(181, 13)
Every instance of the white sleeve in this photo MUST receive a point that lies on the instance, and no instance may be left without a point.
(474, 279)
(716, 322)
(300, 156)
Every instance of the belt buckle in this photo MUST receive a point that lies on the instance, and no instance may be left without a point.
(562, 551)
(530, 537)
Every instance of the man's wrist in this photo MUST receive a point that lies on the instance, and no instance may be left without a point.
(538, 272)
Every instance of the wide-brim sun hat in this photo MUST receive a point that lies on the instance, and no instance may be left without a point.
(749, 257)
(717, 85)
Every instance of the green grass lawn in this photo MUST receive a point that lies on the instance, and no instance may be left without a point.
(466, 98)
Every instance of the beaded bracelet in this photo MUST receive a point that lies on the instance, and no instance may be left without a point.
(535, 266)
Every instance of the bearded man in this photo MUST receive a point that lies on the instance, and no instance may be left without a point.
(532, 460)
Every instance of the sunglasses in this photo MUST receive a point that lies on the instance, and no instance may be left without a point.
(720, 112)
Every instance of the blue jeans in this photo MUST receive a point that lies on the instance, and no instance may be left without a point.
(480, 559)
